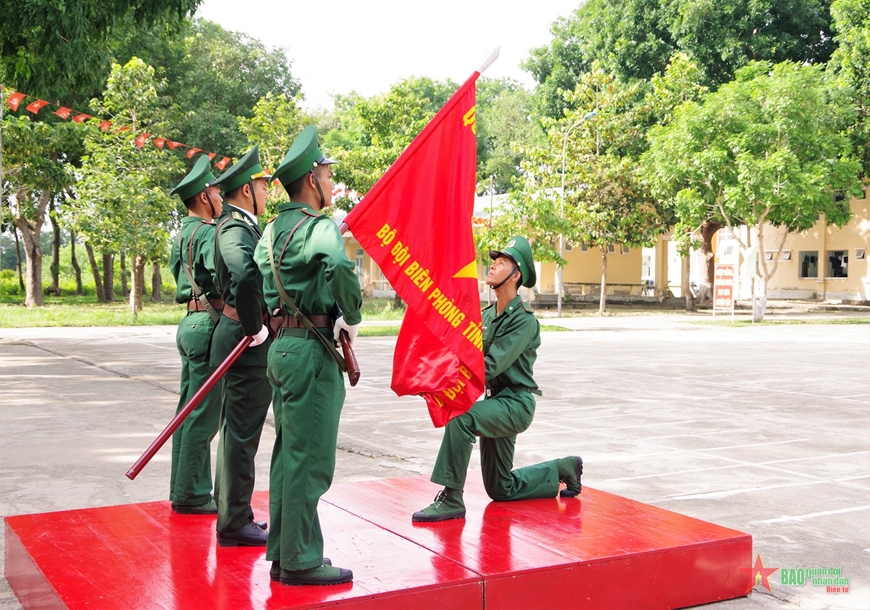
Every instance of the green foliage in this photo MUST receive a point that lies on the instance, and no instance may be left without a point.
(851, 61)
(58, 49)
(635, 39)
(122, 203)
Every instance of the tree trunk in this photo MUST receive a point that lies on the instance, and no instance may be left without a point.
(156, 283)
(125, 289)
(55, 255)
(75, 263)
(109, 276)
(759, 300)
(30, 234)
(137, 282)
(687, 283)
(708, 230)
(98, 281)
(602, 301)
(18, 257)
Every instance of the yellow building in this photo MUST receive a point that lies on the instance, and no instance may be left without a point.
(822, 263)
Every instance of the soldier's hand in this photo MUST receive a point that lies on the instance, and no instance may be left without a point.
(340, 325)
(260, 336)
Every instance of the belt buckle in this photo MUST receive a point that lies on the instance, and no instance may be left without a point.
(489, 392)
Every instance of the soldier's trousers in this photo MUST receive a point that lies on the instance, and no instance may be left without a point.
(309, 394)
(246, 399)
(497, 421)
(190, 481)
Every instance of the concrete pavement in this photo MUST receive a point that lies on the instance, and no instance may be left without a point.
(763, 429)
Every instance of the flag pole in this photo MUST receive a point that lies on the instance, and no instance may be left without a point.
(487, 62)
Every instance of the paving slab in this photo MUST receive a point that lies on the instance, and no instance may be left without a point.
(761, 429)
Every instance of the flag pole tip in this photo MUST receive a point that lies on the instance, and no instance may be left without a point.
(493, 55)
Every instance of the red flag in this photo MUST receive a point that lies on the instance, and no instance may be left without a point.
(141, 139)
(63, 112)
(222, 163)
(192, 152)
(211, 156)
(159, 142)
(14, 100)
(36, 106)
(104, 125)
(174, 145)
(416, 224)
(81, 118)
(122, 128)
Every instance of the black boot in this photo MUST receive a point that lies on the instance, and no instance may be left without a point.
(570, 469)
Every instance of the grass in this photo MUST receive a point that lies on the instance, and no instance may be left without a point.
(768, 322)
(88, 314)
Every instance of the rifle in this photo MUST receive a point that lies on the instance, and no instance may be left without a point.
(188, 408)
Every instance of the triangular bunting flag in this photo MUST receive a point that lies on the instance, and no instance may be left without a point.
(141, 139)
(14, 100)
(222, 163)
(192, 152)
(81, 118)
(211, 156)
(174, 145)
(63, 112)
(159, 142)
(104, 125)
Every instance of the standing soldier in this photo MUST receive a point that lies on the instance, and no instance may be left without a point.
(511, 336)
(192, 263)
(247, 393)
(304, 250)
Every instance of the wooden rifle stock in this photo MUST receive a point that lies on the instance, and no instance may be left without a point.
(189, 407)
(350, 360)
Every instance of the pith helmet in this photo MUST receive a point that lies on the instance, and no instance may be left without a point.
(303, 156)
(520, 252)
(196, 179)
(243, 171)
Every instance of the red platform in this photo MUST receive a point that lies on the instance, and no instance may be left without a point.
(596, 551)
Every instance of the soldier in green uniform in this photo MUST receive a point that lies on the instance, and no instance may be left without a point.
(511, 336)
(314, 272)
(247, 393)
(192, 262)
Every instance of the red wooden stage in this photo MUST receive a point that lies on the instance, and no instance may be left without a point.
(594, 551)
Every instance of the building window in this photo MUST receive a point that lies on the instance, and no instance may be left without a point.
(809, 264)
(768, 256)
(568, 246)
(584, 248)
(786, 256)
(611, 249)
(838, 262)
(859, 254)
(624, 249)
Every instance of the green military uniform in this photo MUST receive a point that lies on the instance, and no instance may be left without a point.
(247, 393)
(510, 343)
(308, 384)
(190, 482)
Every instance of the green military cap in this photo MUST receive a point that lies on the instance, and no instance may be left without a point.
(243, 171)
(520, 252)
(196, 180)
(303, 156)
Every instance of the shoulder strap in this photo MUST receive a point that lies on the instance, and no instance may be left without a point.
(288, 302)
(217, 231)
(188, 271)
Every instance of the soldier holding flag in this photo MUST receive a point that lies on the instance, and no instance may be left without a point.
(192, 263)
(306, 272)
(511, 337)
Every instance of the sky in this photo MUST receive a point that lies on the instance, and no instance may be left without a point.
(365, 46)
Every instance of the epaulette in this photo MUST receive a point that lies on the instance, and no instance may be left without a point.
(526, 306)
(238, 216)
(491, 305)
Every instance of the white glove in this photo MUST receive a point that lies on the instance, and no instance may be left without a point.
(340, 325)
(260, 336)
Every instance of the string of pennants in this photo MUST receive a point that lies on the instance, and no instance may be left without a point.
(13, 100)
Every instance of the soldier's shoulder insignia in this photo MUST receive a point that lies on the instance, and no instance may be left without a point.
(490, 306)
(526, 306)
(238, 216)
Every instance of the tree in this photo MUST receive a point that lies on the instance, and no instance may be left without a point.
(766, 149)
(851, 61)
(59, 50)
(35, 170)
(505, 125)
(122, 202)
(635, 39)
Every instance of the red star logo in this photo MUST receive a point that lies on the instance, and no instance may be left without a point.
(759, 571)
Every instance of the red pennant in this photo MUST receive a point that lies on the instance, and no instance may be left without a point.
(81, 118)
(159, 142)
(122, 128)
(174, 145)
(211, 156)
(104, 125)
(63, 112)
(416, 225)
(222, 163)
(14, 100)
(141, 139)
(192, 152)
(36, 106)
